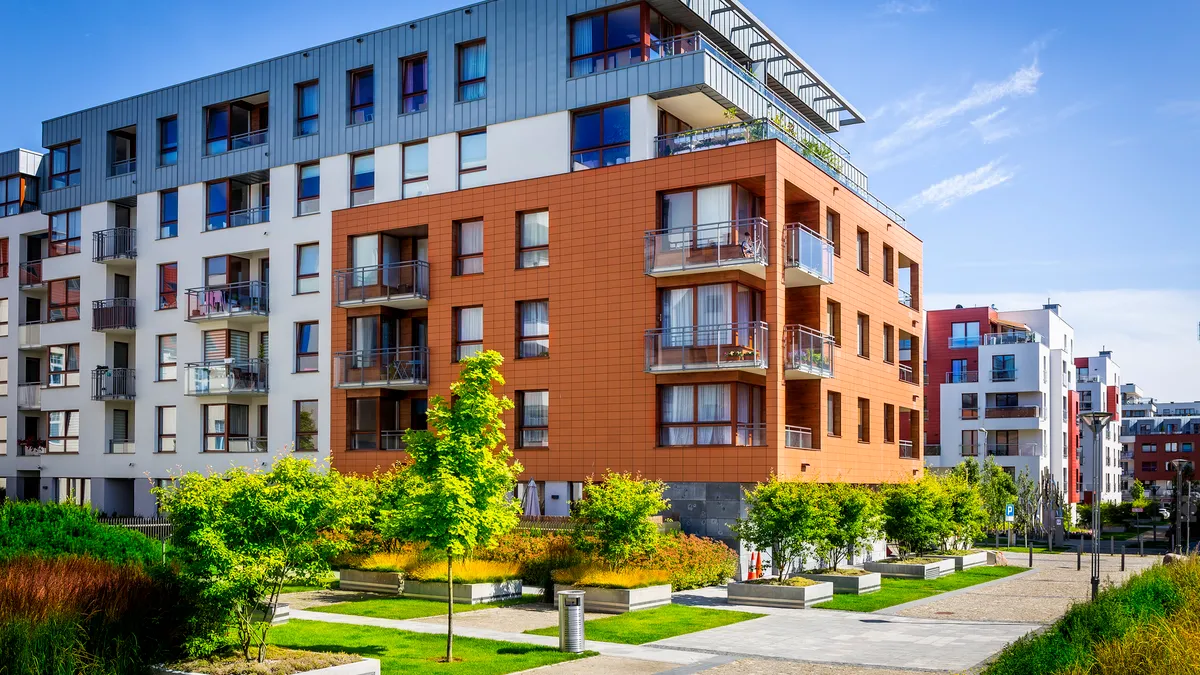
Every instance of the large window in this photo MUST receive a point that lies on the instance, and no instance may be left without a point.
(362, 96)
(168, 358)
(534, 429)
(77, 491)
(534, 248)
(1004, 368)
(617, 37)
(18, 194)
(414, 84)
(534, 339)
(468, 331)
(308, 270)
(168, 214)
(63, 365)
(308, 108)
(711, 414)
(64, 233)
(964, 334)
(306, 425)
(600, 137)
(362, 179)
(64, 165)
(166, 428)
(710, 314)
(472, 70)
(864, 336)
(307, 347)
(64, 431)
(223, 422)
(416, 170)
(236, 124)
(64, 300)
(468, 247)
(708, 216)
(375, 424)
(472, 159)
(168, 285)
(833, 413)
(168, 141)
(308, 189)
(864, 420)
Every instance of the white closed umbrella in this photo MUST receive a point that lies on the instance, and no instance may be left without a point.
(531, 503)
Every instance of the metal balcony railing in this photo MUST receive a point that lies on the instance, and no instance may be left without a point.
(964, 342)
(962, 377)
(404, 280)
(114, 314)
(905, 298)
(807, 350)
(113, 384)
(1016, 337)
(120, 447)
(124, 166)
(119, 243)
(382, 367)
(231, 376)
(906, 374)
(907, 451)
(750, 434)
(1007, 375)
(731, 345)
(1015, 450)
(808, 251)
(246, 298)
(30, 274)
(799, 438)
(706, 246)
(1013, 412)
(933, 451)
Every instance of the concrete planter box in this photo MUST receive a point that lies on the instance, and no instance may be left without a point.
(900, 570)
(620, 600)
(850, 585)
(766, 595)
(390, 583)
(962, 562)
(464, 594)
(278, 613)
(363, 667)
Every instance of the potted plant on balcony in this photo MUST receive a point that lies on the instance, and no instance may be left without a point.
(741, 353)
(32, 446)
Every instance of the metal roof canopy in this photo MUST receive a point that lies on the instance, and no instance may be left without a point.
(798, 81)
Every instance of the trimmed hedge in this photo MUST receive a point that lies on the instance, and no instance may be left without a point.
(51, 529)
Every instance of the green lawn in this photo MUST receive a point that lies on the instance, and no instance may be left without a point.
(405, 652)
(660, 623)
(1036, 549)
(898, 591)
(409, 608)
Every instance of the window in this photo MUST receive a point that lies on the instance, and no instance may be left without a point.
(970, 406)
(711, 414)
(308, 189)
(3, 376)
(64, 431)
(468, 333)
(224, 423)
(472, 159)
(308, 271)
(600, 137)
(1006, 400)
(468, 247)
(1167, 447)
(1187, 447)
(889, 423)
(889, 344)
(64, 165)
(18, 194)
(3, 436)
(1149, 466)
(64, 233)
(833, 321)
(166, 429)
(833, 231)
(1004, 368)
(375, 424)
(77, 491)
(416, 170)
(168, 141)
(307, 108)
(864, 420)
(534, 249)
(307, 347)
(864, 252)
(168, 285)
(472, 70)
(619, 37)
(168, 358)
(534, 318)
(864, 336)
(534, 430)
(63, 366)
(889, 275)
(4, 317)
(414, 84)
(362, 96)
(964, 334)
(833, 413)
(306, 425)
(1149, 447)
(236, 124)
(362, 180)
(168, 214)
(64, 300)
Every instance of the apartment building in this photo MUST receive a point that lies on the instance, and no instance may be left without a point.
(1154, 436)
(1001, 385)
(655, 192)
(1098, 383)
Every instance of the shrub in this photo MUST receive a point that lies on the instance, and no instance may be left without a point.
(691, 561)
(787, 517)
(966, 514)
(392, 561)
(914, 515)
(615, 516)
(538, 554)
(598, 576)
(52, 529)
(352, 547)
(467, 571)
(858, 522)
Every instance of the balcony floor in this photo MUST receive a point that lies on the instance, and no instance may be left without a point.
(750, 267)
(397, 385)
(806, 373)
(799, 277)
(748, 367)
(397, 302)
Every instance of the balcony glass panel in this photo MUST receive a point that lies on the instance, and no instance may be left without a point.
(807, 350)
(693, 247)
(737, 345)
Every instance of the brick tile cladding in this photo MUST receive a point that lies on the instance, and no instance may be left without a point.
(602, 403)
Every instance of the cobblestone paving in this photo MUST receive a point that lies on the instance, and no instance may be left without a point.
(310, 599)
(517, 619)
(605, 665)
(762, 666)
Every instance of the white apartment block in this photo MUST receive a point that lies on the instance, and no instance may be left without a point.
(1098, 381)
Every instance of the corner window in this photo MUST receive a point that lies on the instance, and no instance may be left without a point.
(168, 214)
(416, 170)
(362, 96)
(535, 240)
(472, 159)
(472, 70)
(168, 141)
(534, 430)
(414, 84)
(616, 37)
(308, 189)
(65, 161)
(534, 339)
(307, 108)
(468, 247)
(600, 137)
(308, 272)
(18, 194)
(65, 233)
(362, 180)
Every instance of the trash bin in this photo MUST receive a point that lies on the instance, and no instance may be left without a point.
(570, 621)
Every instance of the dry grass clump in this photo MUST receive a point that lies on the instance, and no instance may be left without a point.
(603, 577)
(467, 571)
(390, 561)
(279, 661)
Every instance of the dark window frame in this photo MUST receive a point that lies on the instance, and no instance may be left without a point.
(158, 373)
(298, 365)
(459, 343)
(67, 245)
(355, 157)
(314, 434)
(367, 108)
(463, 260)
(522, 426)
(474, 169)
(64, 307)
(534, 340)
(167, 298)
(303, 276)
(695, 425)
(67, 370)
(601, 109)
(168, 153)
(301, 118)
(405, 181)
(69, 176)
(418, 97)
(522, 249)
(172, 224)
(644, 43)
(162, 436)
(458, 65)
(864, 420)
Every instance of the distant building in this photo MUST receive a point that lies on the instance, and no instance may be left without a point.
(1098, 383)
(1153, 434)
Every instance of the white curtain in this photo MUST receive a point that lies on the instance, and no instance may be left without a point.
(366, 254)
(535, 229)
(714, 206)
(677, 317)
(713, 404)
(745, 314)
(677, 409)
(471, 238)
(715, 304)
(535, 318)
(470, 329)
(678, 219)
(474, 66)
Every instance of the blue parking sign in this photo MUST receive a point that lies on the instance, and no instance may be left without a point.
(1010, 513)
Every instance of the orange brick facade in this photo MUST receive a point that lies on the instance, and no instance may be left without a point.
(603, 405)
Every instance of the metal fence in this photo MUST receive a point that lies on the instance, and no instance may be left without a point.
(155, 528)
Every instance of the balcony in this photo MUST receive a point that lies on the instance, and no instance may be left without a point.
(808, 257)
(403, 285)
(113, 384)
(1016, 337)
(397, 368)
(906, 374)
(968, 450)
(247, 300)
(29, 336)
(385, 440)
(735, 244)
(969, 414)
(807, 353)
(1015, 450)
(1009, 375)
(737, 346)
(962, 377)
(799, 438)
(244, 444)
(1014, 412)
(31, 447)
(120, 447)
(29, 396)
(907, 451)
(230, 377)
(933, 451)
(114, 315)
(964, 342)
(122, 167)
(905, 298)
(30, 275)
(118, 245)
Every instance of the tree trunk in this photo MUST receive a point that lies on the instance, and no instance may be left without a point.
(449, 609)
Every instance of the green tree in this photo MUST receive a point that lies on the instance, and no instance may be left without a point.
(455, 489)
(997, 489)
(966, 513)
(615, 516)
(914, 515)
(857, 522)
(1029, 498)
(968, 470)
(239, 535)
(788, 517)
(1137, 491)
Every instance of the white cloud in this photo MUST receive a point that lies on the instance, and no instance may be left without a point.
(991, 132)
(1043, 41)
(898, 7)
(963, 185)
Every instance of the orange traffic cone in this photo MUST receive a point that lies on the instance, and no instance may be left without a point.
(750, 572)
(758, 567)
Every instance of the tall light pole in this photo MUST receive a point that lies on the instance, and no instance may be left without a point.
(1096, 421)
(1179, 465)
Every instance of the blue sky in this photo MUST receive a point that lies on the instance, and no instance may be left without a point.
(1039, 149)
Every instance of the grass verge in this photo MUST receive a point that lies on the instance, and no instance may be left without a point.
(404, 652)
(660, 623)
(900, 591)
(1036, 549)
(410, 608)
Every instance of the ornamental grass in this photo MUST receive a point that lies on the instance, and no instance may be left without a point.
(466, 571)
(598, 576)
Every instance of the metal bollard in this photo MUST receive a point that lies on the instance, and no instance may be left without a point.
(1123, 557)
(1079, 556)
(570, 622)
(1141, 546)
(1112, 545)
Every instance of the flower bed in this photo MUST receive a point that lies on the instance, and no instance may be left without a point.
(797, 592)
(912, 568)
(279, 661)
(850, 580)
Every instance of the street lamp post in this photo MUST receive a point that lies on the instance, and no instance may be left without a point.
(1096, 421)
(1179, 466)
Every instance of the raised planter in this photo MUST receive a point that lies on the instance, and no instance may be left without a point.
(962, 562)
(390, 583)
(767, 595)
(464, 594)
(911, 570)
(848, 584)
(620, 600)
(363, 667)
(278, 613)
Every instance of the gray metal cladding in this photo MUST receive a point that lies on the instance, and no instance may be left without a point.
(20, 161)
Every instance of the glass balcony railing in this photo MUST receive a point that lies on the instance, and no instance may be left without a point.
(809, 252)
(712, 245)
(933, 451)
(906, 374)
(807, 351)
(964, 341)
(395, 367)
(224, 301)
(119, 243)
(30, 274)
(710, 347)
(120, 446)
(406, 281)
(124, 166)
(962, 376)
(1016, 337)
(225, 377)
(799, 438)
(1015, 450)
(905, 298)
(1007, 375)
